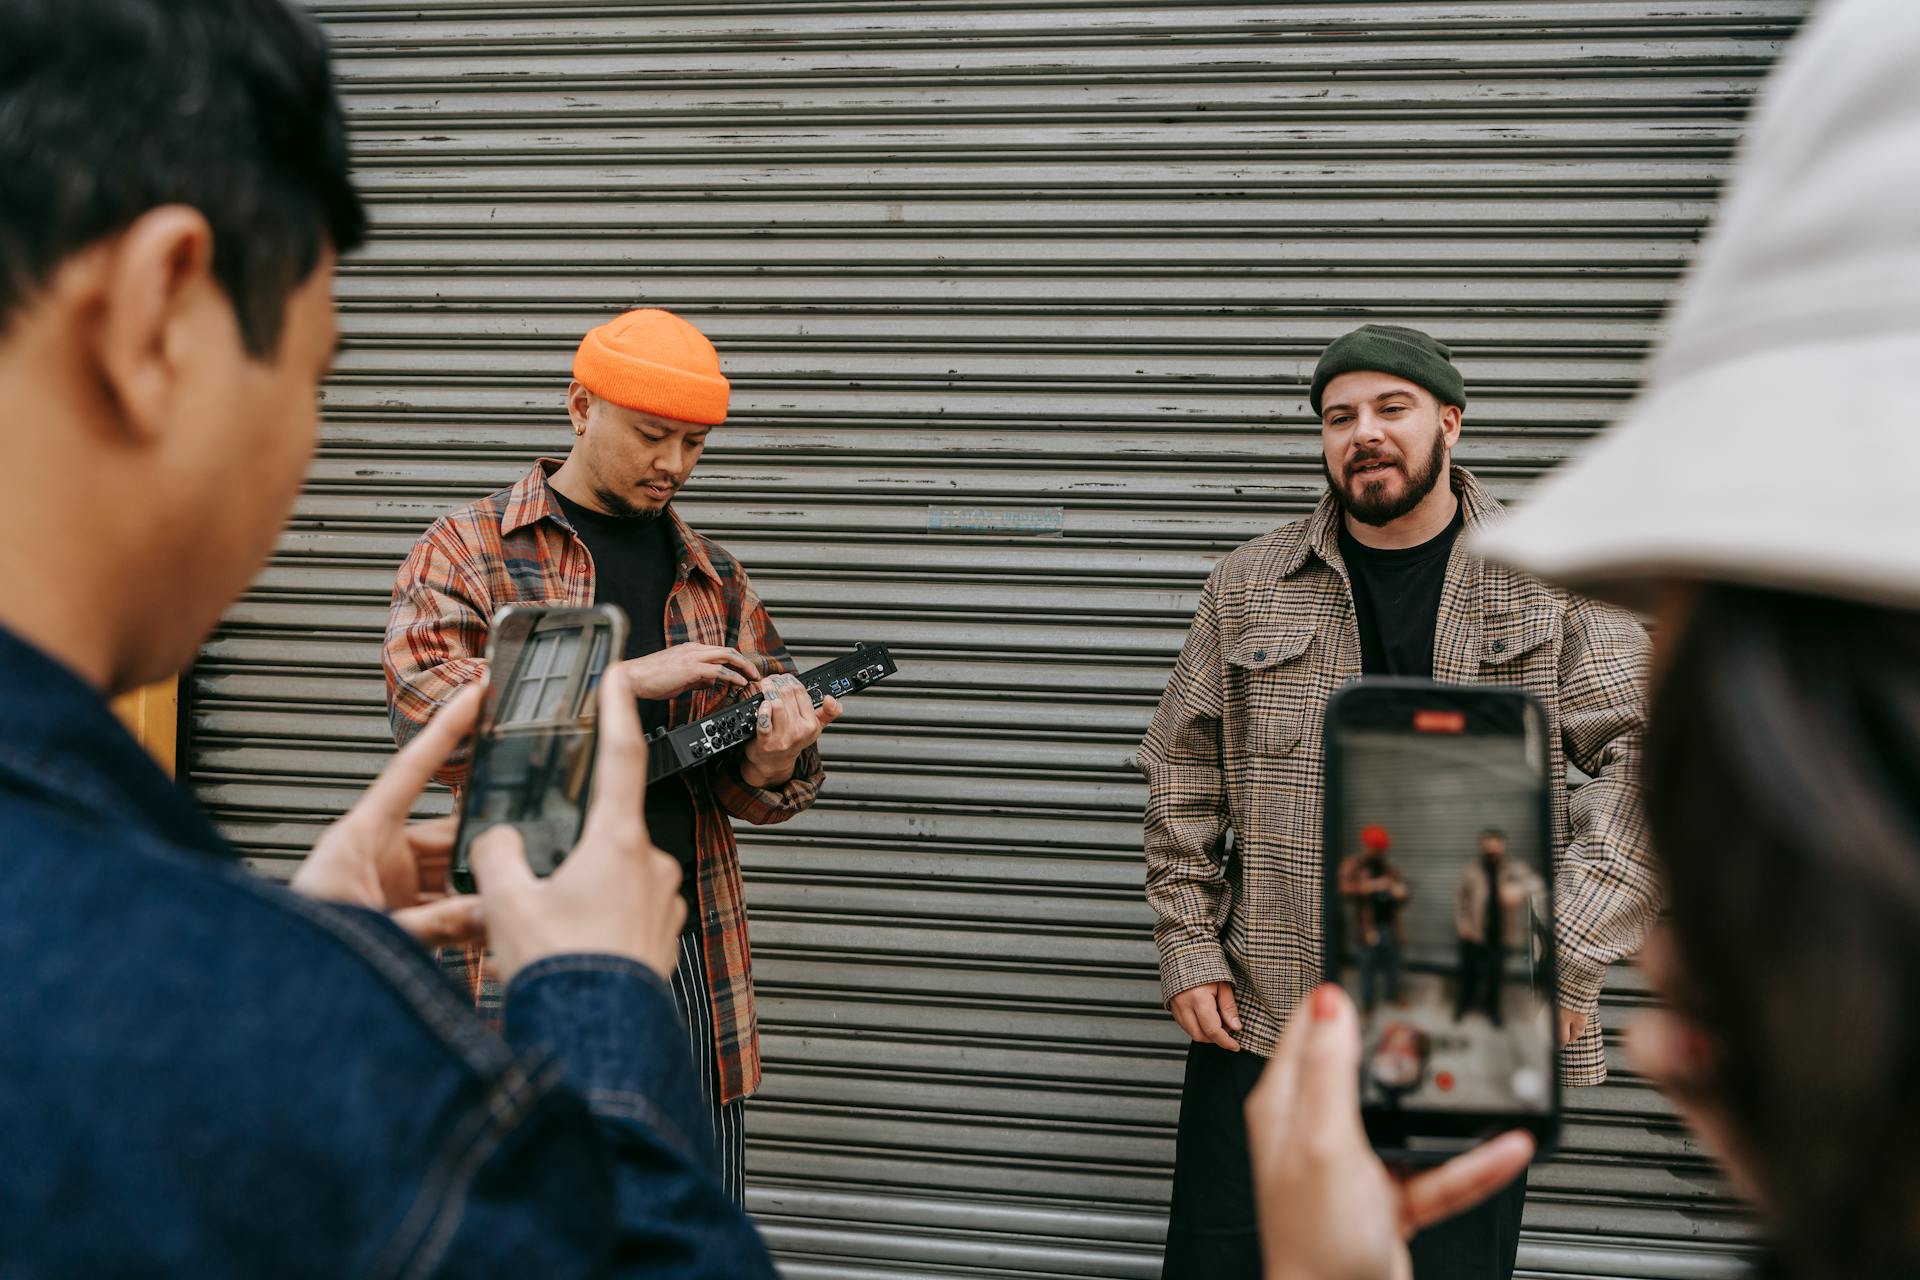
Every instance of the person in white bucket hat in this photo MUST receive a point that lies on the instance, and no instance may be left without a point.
(1759, 498)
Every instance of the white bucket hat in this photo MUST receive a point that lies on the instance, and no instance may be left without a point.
(1777, 442)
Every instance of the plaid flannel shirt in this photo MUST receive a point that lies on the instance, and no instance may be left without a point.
(1236, 741)
(515, 547)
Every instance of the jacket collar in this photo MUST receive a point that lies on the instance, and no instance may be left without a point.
(1319, 533)
(531, 500)
(65, 743)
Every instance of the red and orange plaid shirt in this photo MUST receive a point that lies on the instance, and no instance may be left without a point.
(515, 547)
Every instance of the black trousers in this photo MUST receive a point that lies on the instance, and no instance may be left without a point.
(1213, 1234)
(1481, 974)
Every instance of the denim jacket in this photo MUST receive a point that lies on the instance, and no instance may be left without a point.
(203, 1074)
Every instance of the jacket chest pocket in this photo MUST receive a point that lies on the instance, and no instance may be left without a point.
(1275, 686)
(1514, 648)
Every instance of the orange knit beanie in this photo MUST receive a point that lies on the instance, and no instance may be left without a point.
(654, 362)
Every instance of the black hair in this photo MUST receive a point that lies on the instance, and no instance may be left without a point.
(1783, 792)
(111, 108)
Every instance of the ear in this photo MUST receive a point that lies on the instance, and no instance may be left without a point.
(579, 406)
(158, 278)
(1450, 416)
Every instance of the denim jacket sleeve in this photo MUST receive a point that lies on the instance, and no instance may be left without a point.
(611, 1173)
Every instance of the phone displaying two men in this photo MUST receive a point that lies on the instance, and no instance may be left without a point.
(1438, 908)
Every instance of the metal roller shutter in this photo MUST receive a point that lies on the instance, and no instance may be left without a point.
(1020, 300)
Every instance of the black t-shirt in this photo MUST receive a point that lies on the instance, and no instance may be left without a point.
(634, 566)
(1385, 905)
(1495, 934)
(1396, 600)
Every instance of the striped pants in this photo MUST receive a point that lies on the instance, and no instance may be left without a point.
(729, 1128)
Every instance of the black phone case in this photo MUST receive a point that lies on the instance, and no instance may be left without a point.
(1428, 1137)
(460, 871)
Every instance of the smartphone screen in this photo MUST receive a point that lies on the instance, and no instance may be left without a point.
(533, 747)
(1438, 906)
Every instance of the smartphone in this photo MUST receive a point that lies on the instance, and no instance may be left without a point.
(1438, 905)
(533, 745)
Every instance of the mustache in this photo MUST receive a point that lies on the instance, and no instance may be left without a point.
(1362, 459)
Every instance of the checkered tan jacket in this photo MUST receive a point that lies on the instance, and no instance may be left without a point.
(1236, 742)
(515, 547)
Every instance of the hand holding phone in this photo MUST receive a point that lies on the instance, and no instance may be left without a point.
(616, 893)
(377, 857)
(1327, 1205)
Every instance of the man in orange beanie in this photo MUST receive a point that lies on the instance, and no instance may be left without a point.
(600, 528)
(1376, 891)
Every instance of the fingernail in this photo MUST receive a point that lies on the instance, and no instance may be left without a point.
(1326, 1001)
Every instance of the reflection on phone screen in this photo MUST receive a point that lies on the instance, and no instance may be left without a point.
(1443, 929)
(533, 757)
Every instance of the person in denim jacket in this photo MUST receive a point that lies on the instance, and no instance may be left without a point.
(208, 1074)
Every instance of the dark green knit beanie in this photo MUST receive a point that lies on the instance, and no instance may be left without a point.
(1391, 348)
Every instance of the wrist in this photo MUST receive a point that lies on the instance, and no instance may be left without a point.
(767, 772)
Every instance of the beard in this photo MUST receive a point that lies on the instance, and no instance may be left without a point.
(1366, 500)
(617, 504)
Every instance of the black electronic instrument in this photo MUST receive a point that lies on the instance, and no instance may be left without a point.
(671, 751)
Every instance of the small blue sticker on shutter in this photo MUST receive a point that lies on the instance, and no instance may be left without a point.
(1030, 521)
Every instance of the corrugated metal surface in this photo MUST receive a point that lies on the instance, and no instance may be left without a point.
(980, 267)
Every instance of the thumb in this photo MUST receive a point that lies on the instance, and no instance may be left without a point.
(450, 922)
(1229, 1012)
(499, 858)
(830, 710)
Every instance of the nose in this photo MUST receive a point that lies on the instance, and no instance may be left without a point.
(1368, 428)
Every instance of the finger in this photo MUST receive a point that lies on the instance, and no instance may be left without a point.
(1225, 1041)
(1466, 1180)
(1270, 1109)
(830, 709)
(1184, 1016)
(499, 858)
(435, 835)
(779, 715)
(1659, 960)
(805, 713)
(720, 673)
(394, 792)
(450, 922)
(740, 662)
(1229, 1012)
(431, 844)
(1210, 1028)
(1671, 1052)
(1270, 1118)
(620, 766)
(1329, 1055)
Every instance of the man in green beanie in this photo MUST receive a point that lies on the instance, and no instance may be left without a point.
(1372, 583)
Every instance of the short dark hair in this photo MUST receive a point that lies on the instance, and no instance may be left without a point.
(111, 108)
(1493, 833)
(1783, 795)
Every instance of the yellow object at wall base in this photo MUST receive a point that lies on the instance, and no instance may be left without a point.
(153, 714)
